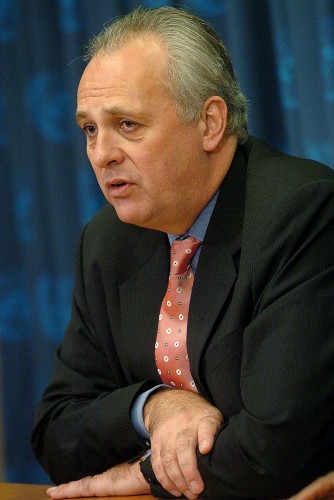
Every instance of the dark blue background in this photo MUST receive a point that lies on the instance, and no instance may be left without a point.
(283, 52)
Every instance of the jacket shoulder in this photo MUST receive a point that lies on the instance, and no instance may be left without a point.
(280, 168)
(107, 239)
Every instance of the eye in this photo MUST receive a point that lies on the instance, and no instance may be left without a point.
(90, 130)
(128, 125)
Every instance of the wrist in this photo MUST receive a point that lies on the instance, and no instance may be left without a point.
(140, 479)
(149, 404)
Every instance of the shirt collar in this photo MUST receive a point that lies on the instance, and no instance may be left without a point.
(199, 227)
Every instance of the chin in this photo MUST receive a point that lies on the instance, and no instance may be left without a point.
(137, 218)
(130, 218)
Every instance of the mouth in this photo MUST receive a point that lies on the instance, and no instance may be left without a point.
(118, 187)
(117, 184)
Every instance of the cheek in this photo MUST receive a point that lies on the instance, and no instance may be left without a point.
(98, 175)
(161, 176)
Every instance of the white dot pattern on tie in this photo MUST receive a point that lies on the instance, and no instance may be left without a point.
(171, 344)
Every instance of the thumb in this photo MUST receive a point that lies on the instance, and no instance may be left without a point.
(207, 429)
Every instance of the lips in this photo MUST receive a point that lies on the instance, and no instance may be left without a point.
(118, 187)
(117, 184)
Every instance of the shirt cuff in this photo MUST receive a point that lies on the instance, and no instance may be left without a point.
(137, 411)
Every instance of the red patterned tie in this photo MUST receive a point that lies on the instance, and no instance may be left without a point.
(171, 344)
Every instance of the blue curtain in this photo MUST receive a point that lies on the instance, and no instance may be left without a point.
(283, 52)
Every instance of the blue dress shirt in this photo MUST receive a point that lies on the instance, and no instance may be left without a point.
(197, 230)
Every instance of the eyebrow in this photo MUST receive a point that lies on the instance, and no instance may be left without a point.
(113, 111)
(80, 115)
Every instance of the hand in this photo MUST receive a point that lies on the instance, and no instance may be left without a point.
(321, 489)
(123, 479)
(178, 421)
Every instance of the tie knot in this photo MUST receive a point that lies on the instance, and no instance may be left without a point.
(182, 251)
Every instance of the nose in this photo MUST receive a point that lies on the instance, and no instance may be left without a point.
(106, 152)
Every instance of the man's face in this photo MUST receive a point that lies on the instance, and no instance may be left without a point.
(150, 166)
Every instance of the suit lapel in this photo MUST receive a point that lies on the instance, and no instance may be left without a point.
(141, 295)
(217, 267)
(140, 299)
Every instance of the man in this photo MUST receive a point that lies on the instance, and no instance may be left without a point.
(166, 130)
(320, 489)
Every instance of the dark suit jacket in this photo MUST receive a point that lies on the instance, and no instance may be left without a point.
(260, 334)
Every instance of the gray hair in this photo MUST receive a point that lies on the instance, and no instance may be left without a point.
(199, 64)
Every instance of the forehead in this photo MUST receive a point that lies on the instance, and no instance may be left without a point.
(136, 70)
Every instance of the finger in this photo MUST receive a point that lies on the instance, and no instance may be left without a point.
(207, 429)
(187, 460)
(171, 465)
(323, 488)
(86, 487)
(73, 489)
(161, 474)
(173, 481)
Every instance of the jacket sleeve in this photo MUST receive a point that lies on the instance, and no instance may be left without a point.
(83, 423)
(283, 436)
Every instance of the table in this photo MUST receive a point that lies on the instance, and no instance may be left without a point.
(13, 491)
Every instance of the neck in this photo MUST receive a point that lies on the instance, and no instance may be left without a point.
(219, 162)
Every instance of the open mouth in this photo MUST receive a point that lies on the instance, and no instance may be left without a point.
(118, 187)
(117, 184)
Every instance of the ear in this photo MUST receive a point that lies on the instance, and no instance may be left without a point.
(214, 116)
